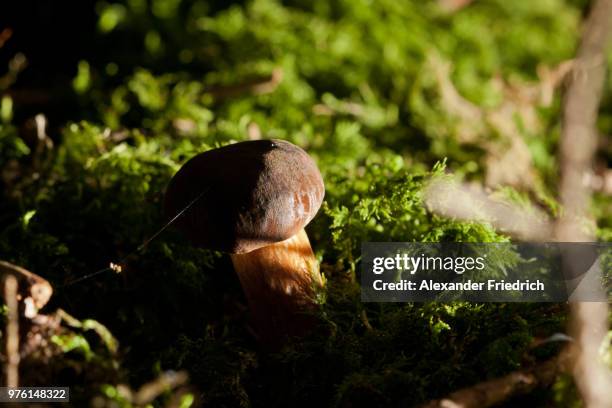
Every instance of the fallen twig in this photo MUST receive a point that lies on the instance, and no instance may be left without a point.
(498, 390)
(256, 86)
(165, 382)
(589, 320)
(12, 331)
(451, 199)
(452, 6)
(147, 393)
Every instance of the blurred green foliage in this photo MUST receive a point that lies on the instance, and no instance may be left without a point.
(379, 93)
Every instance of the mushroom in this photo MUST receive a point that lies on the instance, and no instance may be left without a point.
(252, 200)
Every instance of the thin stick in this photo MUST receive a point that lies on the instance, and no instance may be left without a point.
(165, 382)
(498, 390)
(12, 331)
(589, 320)
(258, 86)
(452, 199)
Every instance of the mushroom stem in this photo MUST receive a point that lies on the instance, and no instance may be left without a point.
(280, 282)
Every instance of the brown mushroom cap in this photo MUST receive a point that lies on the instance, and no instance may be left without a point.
(256, 193)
